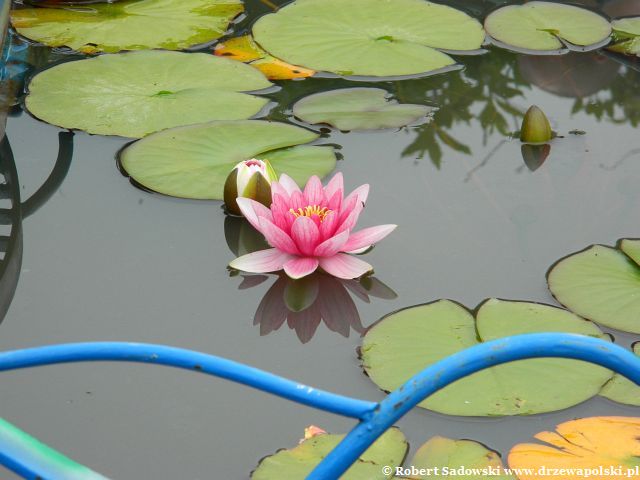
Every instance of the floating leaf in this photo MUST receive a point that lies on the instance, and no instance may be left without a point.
(128, 25)
(406, 342)
(581, 448)
(443, 457)
(621, 390)
(627, 36)
(296, 463)
(244, 49)
(602, 284)
(134, 94)
(367, 37)
(544, 25)
(357, 109)
(194, 161)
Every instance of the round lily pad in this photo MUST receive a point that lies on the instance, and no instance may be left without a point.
(357, 109)
(367, 37)
(406, 342)
(602, 284)
(296, 463)
(626, 34)
(134, 94)
(194, 161)
(128, 25)
(620, 389)
(442, 452)
(546, 26)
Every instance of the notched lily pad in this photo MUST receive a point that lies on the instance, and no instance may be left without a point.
(367, 37)
(134, 94)
(128, 25)
(245, 49)
(620, 389)
(547, 26)
(626, 36)
(602, 284)
(440, 453)
(296, 463)
(406, 342)
(194, 161)
(585, 445)
(358, 109)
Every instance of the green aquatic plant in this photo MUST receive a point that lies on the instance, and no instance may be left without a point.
(367, 37)
(622, 390)
(407, 341)
(438, 457)
(602, 284)
(134, 94)
(195, 161)
(296, 463)
(358, 109)
(626, 36)
(128, 24)
(546, 26)
(535, 126)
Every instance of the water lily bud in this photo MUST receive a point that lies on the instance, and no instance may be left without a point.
(535, 126)
(250, 179)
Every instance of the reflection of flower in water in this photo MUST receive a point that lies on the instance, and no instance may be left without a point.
(307, 302)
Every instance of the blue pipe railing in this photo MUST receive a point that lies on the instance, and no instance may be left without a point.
(374, 418)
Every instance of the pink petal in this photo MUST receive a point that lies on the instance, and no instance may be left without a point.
(345, 266)
(281, 214)
(262, 261)
(313, 191)
(331, 246)
(361, 193)
(329, 225)
(289, 184)
(297, 201)
(277, 237)
(367, 237)
(253, 210)
(350, 222)
(335, 185)
(277, 190)
(347, 208)
(306, 234)
(300, 267)
(334, 202)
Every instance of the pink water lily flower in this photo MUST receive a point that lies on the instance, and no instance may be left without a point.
(310, 229)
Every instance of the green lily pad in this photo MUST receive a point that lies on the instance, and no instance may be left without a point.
(626, 35)
(134, 94)
(406, 342)
(545, 25)
(367, 37)
(296, 463)
(443, 457)
(194, 161)
(602, 284)
(128, 25)
(358, 109)
(621, 390)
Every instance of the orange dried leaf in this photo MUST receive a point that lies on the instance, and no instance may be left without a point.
(245, 49)
(610, 445)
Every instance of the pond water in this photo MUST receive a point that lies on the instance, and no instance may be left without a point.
(103, 260)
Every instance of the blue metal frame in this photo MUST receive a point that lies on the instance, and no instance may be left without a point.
(375, 418)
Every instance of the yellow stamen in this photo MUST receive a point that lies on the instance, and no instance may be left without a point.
(310, 211)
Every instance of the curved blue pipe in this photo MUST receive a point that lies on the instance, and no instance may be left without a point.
(188, 360)
(375, 418)
(461, 364)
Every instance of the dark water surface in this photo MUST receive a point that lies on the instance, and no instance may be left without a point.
(106, 261)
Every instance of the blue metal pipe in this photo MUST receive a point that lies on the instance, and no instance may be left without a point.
(461, 364)
(188, 360)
